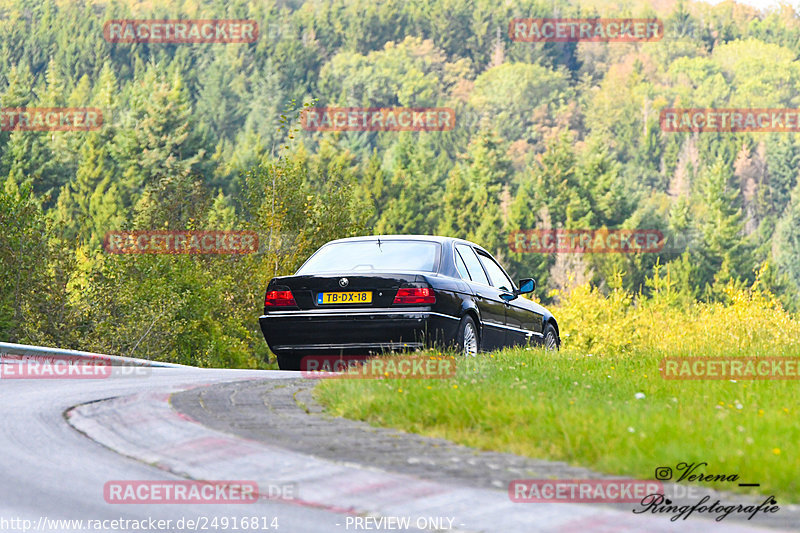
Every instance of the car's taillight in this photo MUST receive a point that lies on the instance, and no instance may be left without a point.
(279, 299)
(415, 295)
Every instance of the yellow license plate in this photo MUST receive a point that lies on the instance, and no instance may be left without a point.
(363, 297)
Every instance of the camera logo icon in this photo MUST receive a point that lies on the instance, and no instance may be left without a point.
(663, 473)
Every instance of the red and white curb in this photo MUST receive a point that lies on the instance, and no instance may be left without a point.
(145, 427)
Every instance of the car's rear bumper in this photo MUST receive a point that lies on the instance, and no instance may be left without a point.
(362, 331)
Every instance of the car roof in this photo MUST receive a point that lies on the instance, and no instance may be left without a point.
(431, 238)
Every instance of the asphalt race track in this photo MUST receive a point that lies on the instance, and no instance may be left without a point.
(63, 440)
(50, 470)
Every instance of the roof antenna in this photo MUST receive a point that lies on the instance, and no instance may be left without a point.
(379, 242)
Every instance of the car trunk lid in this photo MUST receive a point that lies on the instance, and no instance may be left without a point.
(309, 291)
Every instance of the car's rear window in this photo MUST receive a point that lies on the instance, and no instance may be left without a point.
(369, 256)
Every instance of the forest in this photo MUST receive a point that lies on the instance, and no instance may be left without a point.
(210, 137)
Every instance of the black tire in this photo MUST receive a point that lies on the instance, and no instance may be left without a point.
(468, 338)
(288, 362)
(551, 341)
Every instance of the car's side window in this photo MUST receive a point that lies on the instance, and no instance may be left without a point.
(473, 265)
(461, 267)
(497, 277)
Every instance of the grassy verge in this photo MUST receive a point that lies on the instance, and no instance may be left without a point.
(602, 403)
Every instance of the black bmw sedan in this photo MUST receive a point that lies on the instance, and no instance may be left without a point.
(367, 295)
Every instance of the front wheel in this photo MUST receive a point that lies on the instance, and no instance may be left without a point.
(551, 340)
(468, 337)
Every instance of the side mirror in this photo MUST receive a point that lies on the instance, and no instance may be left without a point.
(507, 296)
(526, 285)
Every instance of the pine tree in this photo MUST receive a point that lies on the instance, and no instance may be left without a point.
(599, 176)
(723, 255)
(90, 205)
(526, 214)
(783, 157)
(477, 184)
(556, 184)
(455, 221)
(26, 155)
(159, 140)
(26, 265)
(787, 240)
(415, 187)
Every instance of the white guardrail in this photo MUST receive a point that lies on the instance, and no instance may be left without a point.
(14, 353)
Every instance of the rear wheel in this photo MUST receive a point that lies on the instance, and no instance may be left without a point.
(551, 340)
(288, 362)
(468, 337)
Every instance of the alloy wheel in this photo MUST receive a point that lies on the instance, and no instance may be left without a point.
(470, 340)
(550, 341)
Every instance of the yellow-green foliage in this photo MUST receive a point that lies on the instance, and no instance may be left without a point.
(751, 322)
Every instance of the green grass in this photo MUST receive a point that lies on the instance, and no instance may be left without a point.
(582, 408)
